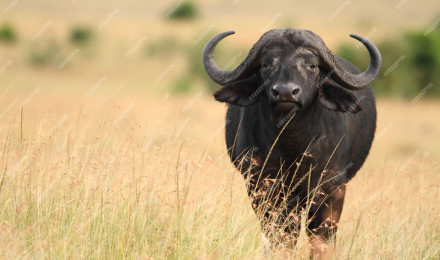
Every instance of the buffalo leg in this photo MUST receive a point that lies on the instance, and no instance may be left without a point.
(324, 222)
(279, 215)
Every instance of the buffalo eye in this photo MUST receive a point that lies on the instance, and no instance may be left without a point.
(312, 66)
(265, 66)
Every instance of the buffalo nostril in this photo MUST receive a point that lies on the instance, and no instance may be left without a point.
(295, 91)
(275, 92)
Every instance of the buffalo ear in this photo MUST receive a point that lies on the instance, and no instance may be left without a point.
(240, 93)
(334, 97)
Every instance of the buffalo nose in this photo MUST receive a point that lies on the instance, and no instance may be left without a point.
(285, 92)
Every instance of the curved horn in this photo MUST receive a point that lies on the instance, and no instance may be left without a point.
(355, 81)
(221, 76)
(214, 71)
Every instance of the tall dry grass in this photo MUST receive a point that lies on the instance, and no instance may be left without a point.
(126, 176)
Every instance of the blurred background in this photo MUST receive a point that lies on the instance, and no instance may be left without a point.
(111, 143)
(155, 46)
(78, 53)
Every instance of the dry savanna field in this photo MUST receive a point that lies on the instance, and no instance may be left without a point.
(99, 159)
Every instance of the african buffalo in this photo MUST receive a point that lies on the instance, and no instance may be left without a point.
(301, 121)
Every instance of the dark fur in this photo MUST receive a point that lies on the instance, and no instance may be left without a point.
(330, 135)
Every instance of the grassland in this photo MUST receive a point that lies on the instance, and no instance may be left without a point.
(119, 176)
(100, 159)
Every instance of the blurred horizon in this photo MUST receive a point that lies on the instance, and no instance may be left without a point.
(136, 41)
(332, 21)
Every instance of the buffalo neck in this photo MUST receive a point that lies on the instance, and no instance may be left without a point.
(300, 132)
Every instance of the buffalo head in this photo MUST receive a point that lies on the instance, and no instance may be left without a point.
(289, 70)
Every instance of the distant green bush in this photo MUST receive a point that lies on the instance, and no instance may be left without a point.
(194, 70)
(410, 63)
(226, 57)
(195, 65)
(44, 54)
(185, 10)
(424, 59)
(7, 33)
(80, 35)
(182, 85)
